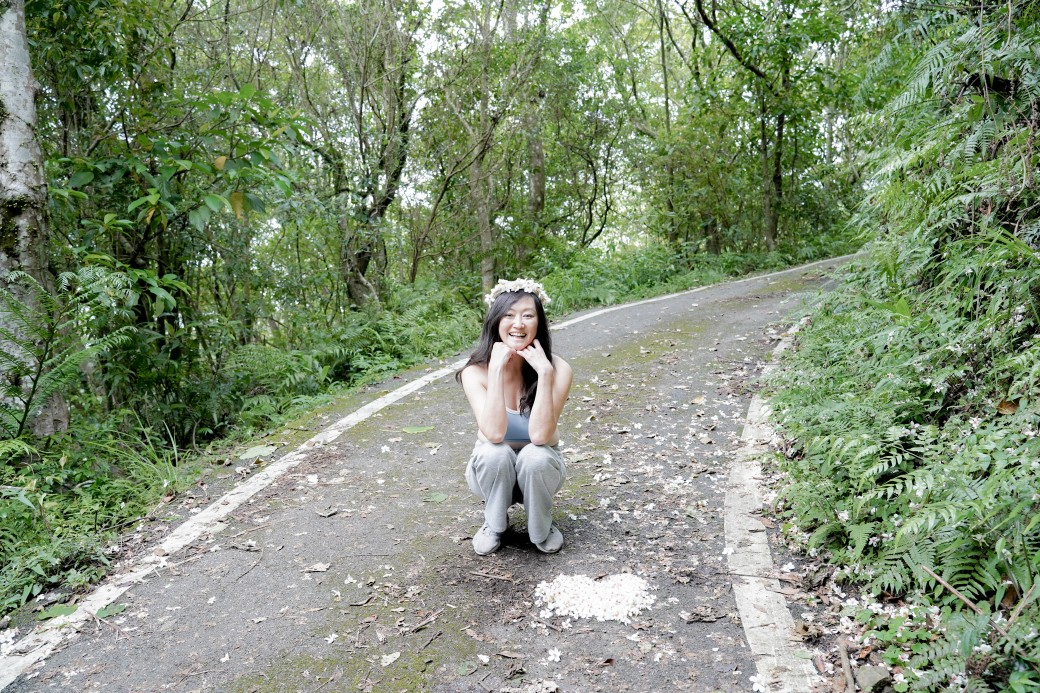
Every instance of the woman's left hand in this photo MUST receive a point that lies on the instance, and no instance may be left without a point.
(535, 356)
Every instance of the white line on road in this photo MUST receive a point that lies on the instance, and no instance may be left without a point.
(768, 625)
(40, 643)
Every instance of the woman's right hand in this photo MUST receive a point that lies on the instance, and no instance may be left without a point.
(500, 356)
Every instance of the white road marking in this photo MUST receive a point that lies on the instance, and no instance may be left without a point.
(48, 636)
(782, 666)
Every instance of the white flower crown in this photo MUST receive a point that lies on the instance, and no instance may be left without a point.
(528, 285)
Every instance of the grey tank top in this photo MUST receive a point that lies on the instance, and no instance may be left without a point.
(517, 427)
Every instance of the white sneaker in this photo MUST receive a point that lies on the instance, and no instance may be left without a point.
(487, 541)
(552, 543)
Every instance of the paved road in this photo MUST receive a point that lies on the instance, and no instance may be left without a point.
(354, 571)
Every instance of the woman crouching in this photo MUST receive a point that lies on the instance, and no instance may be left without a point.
(517, 388)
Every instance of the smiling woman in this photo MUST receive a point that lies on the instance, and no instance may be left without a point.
(517, 388)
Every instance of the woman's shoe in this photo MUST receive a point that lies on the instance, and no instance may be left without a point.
(487, 541)
(552, 543)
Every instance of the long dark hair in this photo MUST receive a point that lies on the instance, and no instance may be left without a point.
(489, 335)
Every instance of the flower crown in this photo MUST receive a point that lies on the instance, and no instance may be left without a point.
(528, 285)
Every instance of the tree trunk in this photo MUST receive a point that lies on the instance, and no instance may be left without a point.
(673, 230)
(777, 179)
(23, 189)
(536, 166)
(769, 206)
(479, 186)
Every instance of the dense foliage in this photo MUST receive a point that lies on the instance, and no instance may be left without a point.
(911, 403)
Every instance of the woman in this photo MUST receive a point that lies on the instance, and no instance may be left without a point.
(516, 388)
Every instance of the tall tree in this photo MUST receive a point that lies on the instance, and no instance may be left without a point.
(23, 189)
(355, 67)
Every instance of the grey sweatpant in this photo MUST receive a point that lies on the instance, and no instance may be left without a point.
(502, 476)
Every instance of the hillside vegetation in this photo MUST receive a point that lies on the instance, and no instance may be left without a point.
(910, 406)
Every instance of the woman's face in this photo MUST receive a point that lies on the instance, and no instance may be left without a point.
(519, 326)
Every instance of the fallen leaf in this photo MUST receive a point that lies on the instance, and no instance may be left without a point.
(508, 654)
(387, 660)
(703, 614)
(112, 610)
(417, 429)
(328, 512)
(699, 399)
(436, 498)
(55, 611)
(466, 668)
(258, 452)
(317, 568)
(1006, 407)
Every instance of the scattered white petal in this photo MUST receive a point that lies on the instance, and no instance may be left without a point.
(226, 658)
(554, 655)
(332, 638)
(484, 658)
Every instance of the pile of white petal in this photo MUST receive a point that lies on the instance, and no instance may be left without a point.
(612, 598)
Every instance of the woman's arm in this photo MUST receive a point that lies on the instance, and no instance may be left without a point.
(554, 384)
(483, 388)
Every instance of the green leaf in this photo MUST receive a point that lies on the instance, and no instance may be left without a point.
(417, 429)
(258, 452)
(247, 91)
(214, 202)
(199, 217)
(111, 610)
(56, 611)
(138, 202)
(436, 498)
(81, 178)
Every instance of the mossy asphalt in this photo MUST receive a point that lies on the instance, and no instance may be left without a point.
(354, 571)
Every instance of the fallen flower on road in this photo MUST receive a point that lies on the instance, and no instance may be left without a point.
(615, 597)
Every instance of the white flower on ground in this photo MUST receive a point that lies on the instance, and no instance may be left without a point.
(615, 597)
(554, 655)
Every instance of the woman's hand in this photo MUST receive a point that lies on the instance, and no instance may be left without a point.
(535, 357)
(500, 356)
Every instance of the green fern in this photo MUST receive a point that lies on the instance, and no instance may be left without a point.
(40, 354)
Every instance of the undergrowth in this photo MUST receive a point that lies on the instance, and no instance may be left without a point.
(910, 407)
